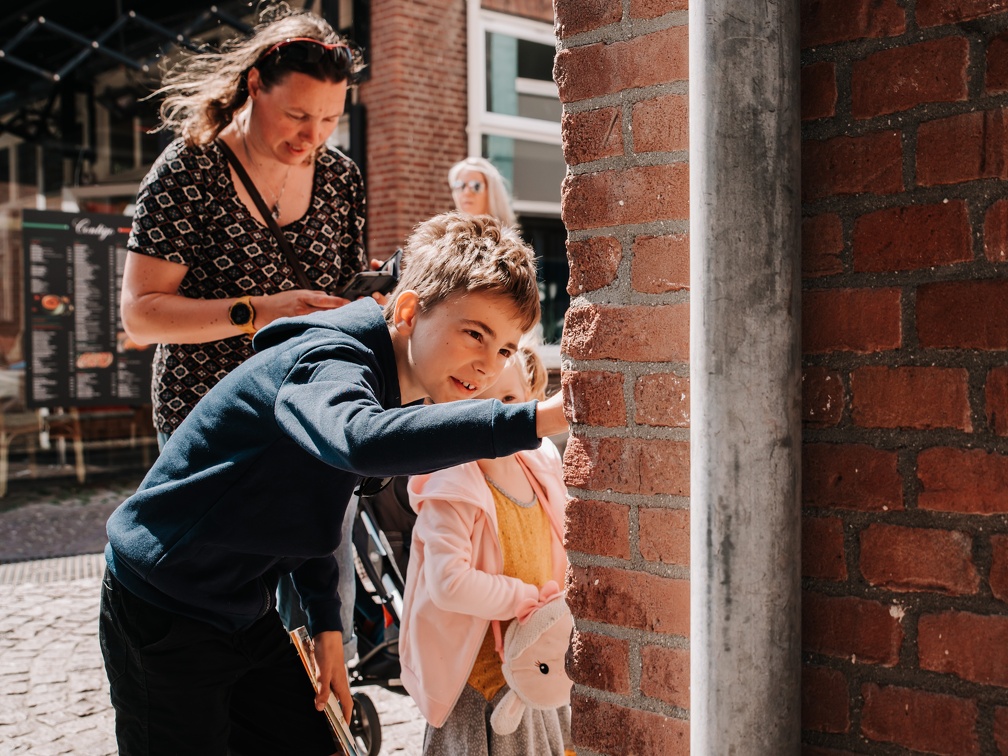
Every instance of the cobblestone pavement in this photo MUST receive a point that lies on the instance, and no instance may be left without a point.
(53, 690)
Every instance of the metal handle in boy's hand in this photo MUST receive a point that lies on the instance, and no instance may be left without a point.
(334, 709)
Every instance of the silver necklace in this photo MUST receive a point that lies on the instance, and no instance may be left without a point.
(277, 196)
(509, 497)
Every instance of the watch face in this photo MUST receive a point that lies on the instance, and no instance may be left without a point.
(241, 313)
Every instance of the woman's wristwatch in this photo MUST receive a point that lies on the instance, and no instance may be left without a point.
(242, 315)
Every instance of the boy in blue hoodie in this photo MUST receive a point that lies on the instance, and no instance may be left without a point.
(255, 481)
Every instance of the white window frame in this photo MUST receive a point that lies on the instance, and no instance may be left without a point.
(483, 122)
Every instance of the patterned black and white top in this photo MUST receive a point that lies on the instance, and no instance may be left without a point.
(188, 212)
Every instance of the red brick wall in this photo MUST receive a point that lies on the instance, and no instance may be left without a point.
(625, 205)
(416, 114)
(905, 552)
(539, 10)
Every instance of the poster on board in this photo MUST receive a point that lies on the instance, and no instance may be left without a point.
(76, 352)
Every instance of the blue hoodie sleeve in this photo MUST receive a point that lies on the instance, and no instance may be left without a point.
(330, 406)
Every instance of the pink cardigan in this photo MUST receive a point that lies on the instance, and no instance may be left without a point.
(453, 585)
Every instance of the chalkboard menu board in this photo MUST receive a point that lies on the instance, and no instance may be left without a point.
(76, 352)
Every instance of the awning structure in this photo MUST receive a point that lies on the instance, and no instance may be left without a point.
(51, 50)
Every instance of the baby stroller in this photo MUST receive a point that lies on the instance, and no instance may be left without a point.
(382, 533)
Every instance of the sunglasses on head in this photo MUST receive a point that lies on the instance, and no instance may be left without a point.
(306, 50)
(475, 186)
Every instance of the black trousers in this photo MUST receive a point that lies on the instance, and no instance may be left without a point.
(180, 686)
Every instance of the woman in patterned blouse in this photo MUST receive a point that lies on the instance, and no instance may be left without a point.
(204, 272)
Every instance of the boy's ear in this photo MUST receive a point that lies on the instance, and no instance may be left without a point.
(407, 307)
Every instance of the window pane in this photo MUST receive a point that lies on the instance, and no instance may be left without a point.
(534, 170)
(509, 60)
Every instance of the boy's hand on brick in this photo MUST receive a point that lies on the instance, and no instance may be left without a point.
(550, 418)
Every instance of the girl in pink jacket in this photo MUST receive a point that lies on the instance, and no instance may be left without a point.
(487, 546)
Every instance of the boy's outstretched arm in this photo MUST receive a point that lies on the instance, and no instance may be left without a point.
(550, 418)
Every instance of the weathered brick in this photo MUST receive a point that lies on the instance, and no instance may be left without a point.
(607, 728)
(577, 16)
(918, 559)
(626, 196)
(660, 264)
(593, 263)
(591, 135)
(851, 320)
(823, 397)
(907, 238)
(825, 704)
(921, 398)
(823, 548)
(664, 535)
(939, 12)
(665, 674)
(818, 91)
(872, 163)
(919, 720)
(824, 22)
(996, 397)
(596, 398)
(963, 480)
(630, 599)
(637, 333)
(661, 124)
(822, 244)
(996, 230)
(599, 661)
(963, 314)
(655, 8)
(1001, 728)
(996, 79)
(971, 646)
(963, 148)
(598, 527)
(628, 465)
(846, 627)
(850, 476)
(999, 567)
(904, 77)
(662, 399)
(601, 69)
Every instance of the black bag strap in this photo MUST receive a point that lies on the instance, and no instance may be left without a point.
(285, 245)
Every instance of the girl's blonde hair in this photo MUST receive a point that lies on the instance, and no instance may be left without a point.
(532, 370)
(497, 191)
(203, 91)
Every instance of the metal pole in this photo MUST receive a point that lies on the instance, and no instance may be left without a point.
(745, 362)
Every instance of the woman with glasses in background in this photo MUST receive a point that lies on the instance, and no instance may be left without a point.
(209, 264)
(479, 189)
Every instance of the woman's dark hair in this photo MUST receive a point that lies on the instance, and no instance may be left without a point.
(202, 91)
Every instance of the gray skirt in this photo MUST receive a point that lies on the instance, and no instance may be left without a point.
(467, 731)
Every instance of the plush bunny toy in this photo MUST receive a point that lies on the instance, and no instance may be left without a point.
(533, 656)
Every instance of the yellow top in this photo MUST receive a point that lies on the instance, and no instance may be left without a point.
(524, 533)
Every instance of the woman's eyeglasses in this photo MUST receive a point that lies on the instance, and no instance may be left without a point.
(475, 186)
(306, 50)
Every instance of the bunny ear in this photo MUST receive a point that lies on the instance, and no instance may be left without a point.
(507, 714)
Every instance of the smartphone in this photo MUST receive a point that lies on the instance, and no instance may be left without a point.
(367, 282)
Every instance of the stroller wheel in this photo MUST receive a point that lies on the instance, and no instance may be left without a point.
(364, 725)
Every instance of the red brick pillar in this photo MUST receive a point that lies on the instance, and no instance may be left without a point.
(905, 243)
(625, 205)
(416, 111)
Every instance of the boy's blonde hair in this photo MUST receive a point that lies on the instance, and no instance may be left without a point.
(453, 253)
(532, 370)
